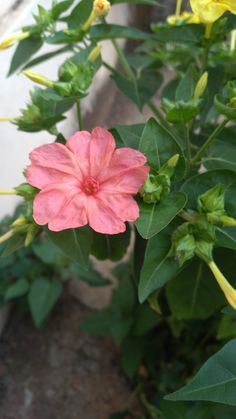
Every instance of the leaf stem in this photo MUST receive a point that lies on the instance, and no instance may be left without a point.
(124, 61)
(158, 114)
(213, 135)
(79, 116)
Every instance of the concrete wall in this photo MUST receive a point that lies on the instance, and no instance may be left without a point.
(15, 145)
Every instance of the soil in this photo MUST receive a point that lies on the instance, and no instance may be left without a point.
(59, 372)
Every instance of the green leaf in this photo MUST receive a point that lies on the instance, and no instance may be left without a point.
(18, 289)
(158, 267)
(141, 90)
(88, 275)
(155, 217)
(132, 352)
(14, 244)
(111, 247)
(222, 106)
(149, 2)
(60, 8)
(222, 155)
(109, 31)
(127, 135)
(79, 14)
(186, 33)
(227, 327)
(199, 184)
(145, 319)
(75, 243)
(47, 252)
(187, 84)
(24, 52)
(42, 297)
(98, 323)
(159, 146)
(44, 57)
(194, 293)
(226, 237)
(215, 381)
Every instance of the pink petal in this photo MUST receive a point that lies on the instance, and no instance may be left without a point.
(102, 147)
(79, 144)
(128, 183)
(40, 177)
(124, 206)
(73, 214)
(102, 219)
(123, 159)
(56, 156)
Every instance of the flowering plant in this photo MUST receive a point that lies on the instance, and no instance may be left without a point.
(170, 183)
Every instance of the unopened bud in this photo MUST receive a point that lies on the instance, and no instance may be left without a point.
(184, 17)
(168, 168)
(19, 222)
(201, 86)
(100, 9)
(10, 40)
(228, 221)
(212, 200)
(31, 234)
(38, 78)
(94, 54)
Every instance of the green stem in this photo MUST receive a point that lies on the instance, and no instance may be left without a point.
(79, 116)
(188, 145)
(158, 114)
(214, 134)
(124, 61)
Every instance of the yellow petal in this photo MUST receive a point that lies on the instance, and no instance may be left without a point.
(228, 290)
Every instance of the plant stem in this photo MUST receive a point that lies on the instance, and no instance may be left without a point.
(79, 116)
(188, 145)
(186, 216)
(8, 192)
(158, 114)
(124, 61)
(214, 134)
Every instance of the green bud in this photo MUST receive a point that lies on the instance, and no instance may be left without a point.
(212, 200)
(228, 221)
(155, 188)
(169, 167)
(94, 54)
(32, 231)
(62, 88)
(204, 250)
(201, 86)
(67, 71)
(183, 243)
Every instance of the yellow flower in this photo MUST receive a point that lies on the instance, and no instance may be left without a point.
(209, 11)
(185, 17)
(100, 9)
(201, 85)
(228, 290)
(10, 40)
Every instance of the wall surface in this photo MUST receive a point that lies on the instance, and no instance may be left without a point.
(16, 145)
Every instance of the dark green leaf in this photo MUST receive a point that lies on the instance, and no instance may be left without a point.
(89, 275)
(42, 297)
(19, 288)
(109, 31)
(154, 217)
(61, 7)
(226, 237)
(158, 267)
(45, 57)
(98, 323)
(222, 156)
(75, 243)
(132, 351)
(159, 146)
(199, 184)
(111, 247)
(24, 52)
(79, 14)
(184, 33)
(215, 381)
(128, 135)
(194, 293)
(141, 90)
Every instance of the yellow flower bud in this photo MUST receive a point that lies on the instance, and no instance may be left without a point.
(94, 54)
(201, 85)
(228, 290)
(19, 222)
(10, 40)
(185, 17)
(38, 78)
(100, 8)
(30, 235)
(6, 236)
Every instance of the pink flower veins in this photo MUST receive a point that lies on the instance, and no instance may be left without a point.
(86, 181)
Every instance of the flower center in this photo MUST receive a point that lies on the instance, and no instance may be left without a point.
(90, 186)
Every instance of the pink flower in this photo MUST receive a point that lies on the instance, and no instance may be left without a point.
(86, 181)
